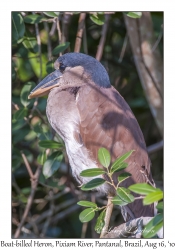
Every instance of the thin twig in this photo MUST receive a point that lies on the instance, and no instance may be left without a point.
(93, 221)
(84, 230)
(158, 39)
(123, 48)
(15, 106)
(25, 118)
(45, 214)
(63, 214)
(52, 31)
(59, 33)
(85, 47)
(27, 166)
(49, 46)
(23, 229)
(59, 30)
(15, 185)
(52, 208)
(65, 27)
(57, 196)
(33, 223)
(155, 147)
(108, 214)
(79, 32)
(39, 49)
(102, 39)
(34, 183)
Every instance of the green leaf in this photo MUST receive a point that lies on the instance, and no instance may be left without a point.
(18, 27)
(87, 204)
(52, 164)
(26, 190)
(100, 222)
(152, 197)
(25, 93)
(104, 157)
(118, 168)
(125, 195)
(34, 19)
(87, 215)
(118, 201)
(50, 144)
(134, 14)
(23, 67)
(50, 67)
(153, 226)
(123, 176)
(20, 114)
(92, 172)
(51, 14)
(142, 188)
(17, 124)
(97, 18)
(41, 158)
(30, 42)
(60, 48)
(35, 64)
(160, 206)
(93, 184)
(116, 165)
(19, 136)
(42, 131)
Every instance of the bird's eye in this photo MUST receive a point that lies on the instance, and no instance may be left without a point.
(62, 67)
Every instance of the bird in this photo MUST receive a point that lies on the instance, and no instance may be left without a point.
(88, 113)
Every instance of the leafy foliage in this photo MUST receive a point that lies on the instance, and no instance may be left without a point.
(134, 14)
(60, 48)
(142, 188)
(100, 222)
(87, 204)
(93, 184)
(98, 18)
(52, 164)
(119, 163)
(104, 157)
(92, 172)
(87, 215)
(124, 195)
(50, 144)
(18, 27)
(153, 226)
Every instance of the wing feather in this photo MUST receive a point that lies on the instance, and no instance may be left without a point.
(107, 121)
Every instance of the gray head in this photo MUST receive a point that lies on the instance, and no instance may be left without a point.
(91, 66)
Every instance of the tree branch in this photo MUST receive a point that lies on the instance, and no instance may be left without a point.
(39, 49)
(80, 32)
(148, 63)
(34, 183)
(27, 166)
(155, 147)
(102, 39)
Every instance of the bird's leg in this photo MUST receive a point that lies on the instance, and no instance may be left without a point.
(107, 217)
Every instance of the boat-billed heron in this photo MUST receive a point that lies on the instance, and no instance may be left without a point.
(88, 113)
